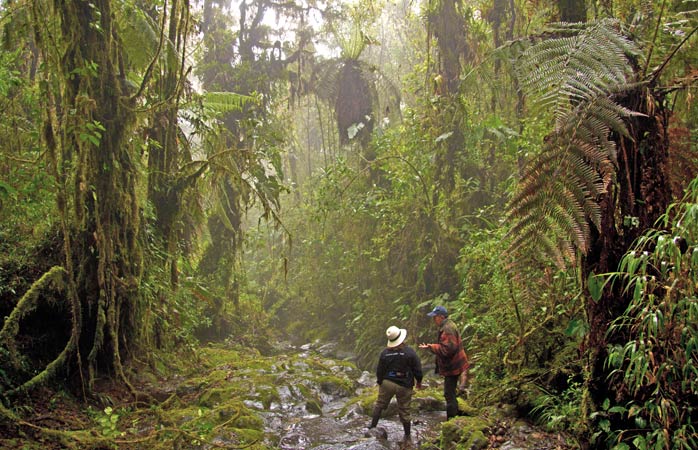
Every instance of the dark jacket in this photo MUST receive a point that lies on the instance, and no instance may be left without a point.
(450, 356)
(399, 364)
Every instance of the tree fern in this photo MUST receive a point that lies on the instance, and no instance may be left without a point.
(577, 76)
(578, 66)
(223, 102)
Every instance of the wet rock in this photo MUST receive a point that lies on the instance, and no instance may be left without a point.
(301, 366)
(366, 379)
(254, 404)
(327, 349)
(293, 441)
(354, 411)
(510, 446)
(334, 387)
(377, 432)
(429, 403)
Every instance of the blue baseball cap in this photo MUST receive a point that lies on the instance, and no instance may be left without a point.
(438, 311)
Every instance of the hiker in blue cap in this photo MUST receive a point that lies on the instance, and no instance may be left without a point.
(451, 359)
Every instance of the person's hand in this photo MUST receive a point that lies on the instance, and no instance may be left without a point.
(422, 345)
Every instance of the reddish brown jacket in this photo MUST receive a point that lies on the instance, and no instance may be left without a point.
(450, 356)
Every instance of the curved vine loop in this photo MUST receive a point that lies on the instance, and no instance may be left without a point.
(57, 278)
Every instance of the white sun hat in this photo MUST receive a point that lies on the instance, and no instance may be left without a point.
(395, 336)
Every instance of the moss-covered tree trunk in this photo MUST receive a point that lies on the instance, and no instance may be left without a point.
(450, 29)
(89, 132)
(164, 153)
(634, 201)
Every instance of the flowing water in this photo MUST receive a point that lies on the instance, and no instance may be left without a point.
(336, 426)
(334, 421)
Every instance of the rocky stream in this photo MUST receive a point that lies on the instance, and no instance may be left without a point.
(318, 399)
(291, 398)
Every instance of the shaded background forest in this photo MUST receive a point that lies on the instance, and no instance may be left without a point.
(176, 172)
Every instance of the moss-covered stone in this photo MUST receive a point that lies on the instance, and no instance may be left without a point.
(215, 396)
(334, 385)
(313, 406)
(254, 439)
(467, 433)
(269, 396)
(466, 409)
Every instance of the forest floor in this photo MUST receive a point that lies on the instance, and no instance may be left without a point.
(201, 408)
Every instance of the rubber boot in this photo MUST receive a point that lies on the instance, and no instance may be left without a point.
(407, 426)
(374, 420)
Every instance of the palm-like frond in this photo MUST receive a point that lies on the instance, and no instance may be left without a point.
(140, 35)
(224, 102)
(577, 76)
(355, 43)
(582, 64)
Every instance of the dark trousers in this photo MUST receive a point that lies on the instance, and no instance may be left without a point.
(450, 383)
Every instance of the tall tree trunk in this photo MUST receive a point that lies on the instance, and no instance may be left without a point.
(92, 124)
(632, 204)
(451, 33)
(450, 29)
(164, 154)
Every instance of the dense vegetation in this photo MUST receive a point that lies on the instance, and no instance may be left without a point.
(179, 172)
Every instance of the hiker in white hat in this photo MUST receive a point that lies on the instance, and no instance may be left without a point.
(399, 368)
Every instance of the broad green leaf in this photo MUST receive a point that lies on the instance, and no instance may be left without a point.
(596, 284)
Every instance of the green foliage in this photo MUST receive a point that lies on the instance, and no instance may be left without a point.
(107, 421)
(561, 411)
(580, 65)
(27, 191)
(654, 357)
(91, 132)
(219, 103)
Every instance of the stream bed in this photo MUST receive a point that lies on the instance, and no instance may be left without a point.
(340, 424)
(338, 420)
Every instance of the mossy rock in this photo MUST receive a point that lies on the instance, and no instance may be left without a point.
(268, 395)
(216, 396)
(467, 433)
(247, 436)
(213, 356)
(313, 406)
(248, 421)
(429, 403)
(466, 409)
(336, 386)
(177, 417)
(237, 415)
(366, 401)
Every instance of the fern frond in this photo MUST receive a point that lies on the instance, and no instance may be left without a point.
(224, 102)
(325, 78)
(140, 36)
(577, 76)
(577, 68)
